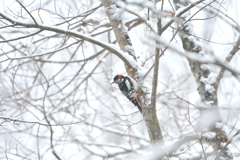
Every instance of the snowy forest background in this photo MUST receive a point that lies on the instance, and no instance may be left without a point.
(58, 58)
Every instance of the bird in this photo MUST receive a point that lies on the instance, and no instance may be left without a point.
(129, 87)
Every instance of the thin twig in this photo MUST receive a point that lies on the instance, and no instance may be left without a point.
(27, 12)
(228, 59)
(88, 38)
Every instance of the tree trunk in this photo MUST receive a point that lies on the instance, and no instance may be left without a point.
(124, 41)
(206, 90)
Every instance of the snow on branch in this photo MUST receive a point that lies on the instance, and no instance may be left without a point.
(205, 80)
(160, 152)
(200, 59)
(127, 59)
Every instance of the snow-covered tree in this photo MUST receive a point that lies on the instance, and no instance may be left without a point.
(58, 59)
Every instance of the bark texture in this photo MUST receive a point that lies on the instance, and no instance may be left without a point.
(124, 41)
(201, 74)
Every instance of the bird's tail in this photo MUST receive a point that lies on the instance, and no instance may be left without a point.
(135, 102)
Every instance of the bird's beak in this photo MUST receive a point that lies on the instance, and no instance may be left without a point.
(112, 82)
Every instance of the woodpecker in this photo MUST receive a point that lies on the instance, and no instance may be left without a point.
(129, 87)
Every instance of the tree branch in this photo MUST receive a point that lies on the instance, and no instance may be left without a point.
(121, 34)
(27, 12)
(228, 59)
(109, 47)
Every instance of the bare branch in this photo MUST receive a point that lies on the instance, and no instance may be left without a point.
(110, 48)
(27, 12)
(228, 59)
